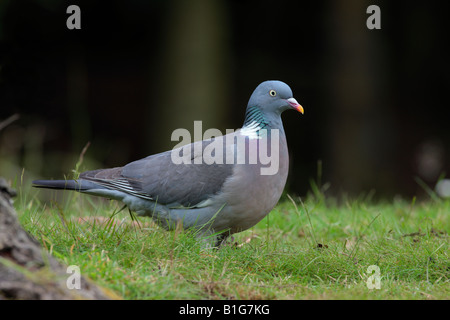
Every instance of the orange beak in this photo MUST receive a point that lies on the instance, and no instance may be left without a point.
(294, 104)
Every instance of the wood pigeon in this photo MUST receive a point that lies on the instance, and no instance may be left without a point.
(217, 186)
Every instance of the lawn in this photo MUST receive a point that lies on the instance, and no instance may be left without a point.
(309, 248)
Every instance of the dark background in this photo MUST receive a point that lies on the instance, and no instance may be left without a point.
(376, 101)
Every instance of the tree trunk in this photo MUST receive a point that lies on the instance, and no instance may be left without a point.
(26, 270)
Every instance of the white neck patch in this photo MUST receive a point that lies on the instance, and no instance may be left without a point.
(251, 131)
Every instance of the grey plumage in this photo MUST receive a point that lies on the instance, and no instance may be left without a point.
(219, 193)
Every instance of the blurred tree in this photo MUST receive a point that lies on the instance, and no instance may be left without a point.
(77, 96)
(360, 129)
(194, 72)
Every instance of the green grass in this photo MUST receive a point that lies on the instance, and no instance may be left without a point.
(310, 249)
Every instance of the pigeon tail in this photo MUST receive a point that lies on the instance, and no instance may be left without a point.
(77, 185)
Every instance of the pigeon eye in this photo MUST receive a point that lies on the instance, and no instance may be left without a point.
(273, 93)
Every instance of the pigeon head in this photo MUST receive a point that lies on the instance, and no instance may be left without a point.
(273, 96)
(267, 103)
